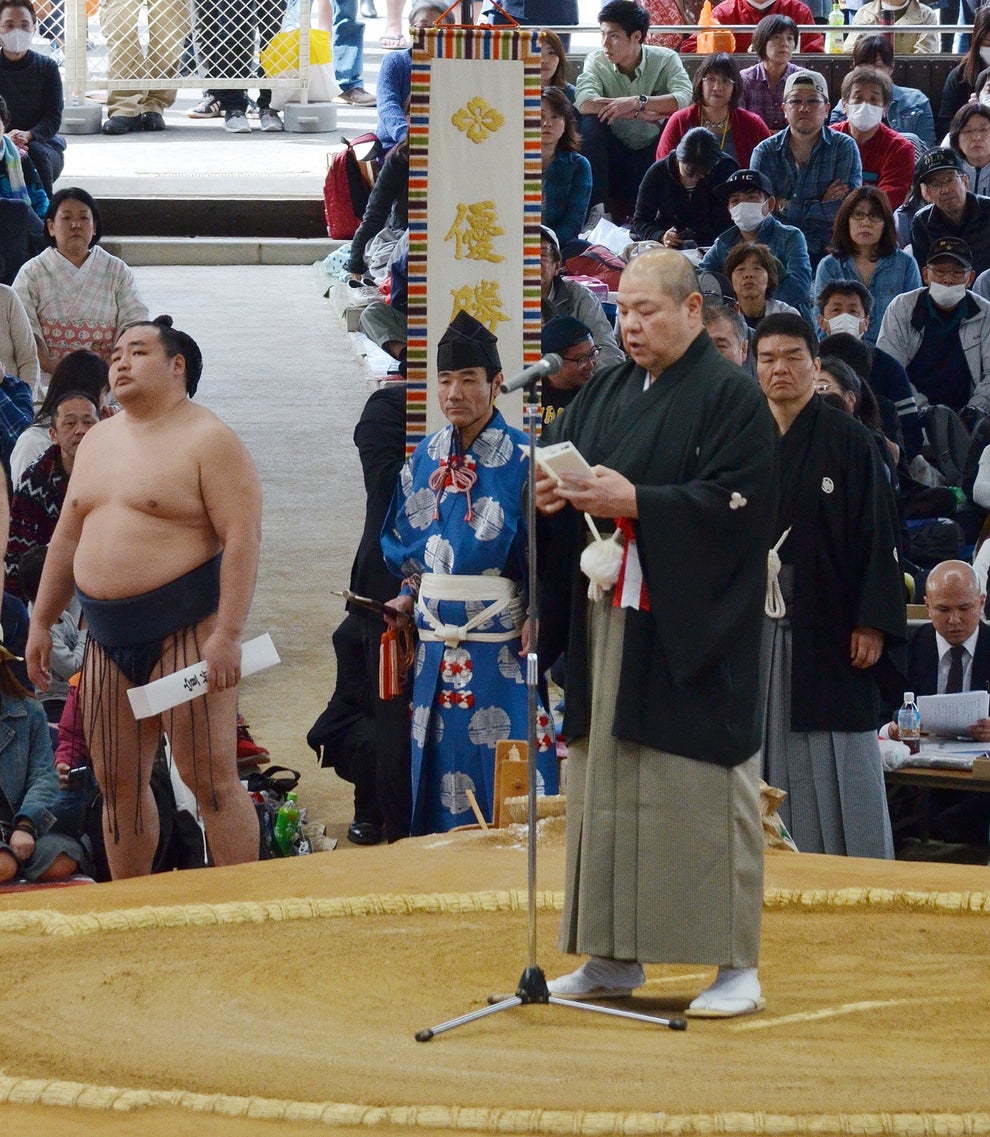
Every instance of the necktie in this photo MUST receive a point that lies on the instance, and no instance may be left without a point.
(955, 683)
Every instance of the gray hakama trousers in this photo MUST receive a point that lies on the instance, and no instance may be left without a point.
(836, 801)
(664, 853)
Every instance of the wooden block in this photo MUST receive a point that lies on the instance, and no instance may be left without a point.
(981, 768)
(510, 764)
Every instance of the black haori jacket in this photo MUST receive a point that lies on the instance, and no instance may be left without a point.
(690, 666)
(836, 496)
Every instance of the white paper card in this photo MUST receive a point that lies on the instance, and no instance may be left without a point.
(185, 685)
(952, 714)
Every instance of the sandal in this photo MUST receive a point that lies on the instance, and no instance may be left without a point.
(393, 43)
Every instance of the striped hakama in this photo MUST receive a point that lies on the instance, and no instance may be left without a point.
(836, 801)
(664, 853)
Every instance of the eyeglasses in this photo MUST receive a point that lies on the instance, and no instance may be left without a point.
(953, 274)
(585, 359)
(804, 104)
(720, 80)
(873, 218)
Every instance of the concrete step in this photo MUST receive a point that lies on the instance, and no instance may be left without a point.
(139, 250)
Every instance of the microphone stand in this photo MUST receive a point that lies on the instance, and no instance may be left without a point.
(532, 987)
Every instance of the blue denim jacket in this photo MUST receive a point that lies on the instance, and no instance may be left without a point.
(27, 764)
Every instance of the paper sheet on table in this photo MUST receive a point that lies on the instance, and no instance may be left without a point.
(952, 714)
(182, 686)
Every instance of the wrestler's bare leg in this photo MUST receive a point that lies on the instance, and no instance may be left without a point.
(203, 734)
(123, 755)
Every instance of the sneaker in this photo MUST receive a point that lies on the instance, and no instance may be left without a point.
(235, 122)
(247, 748)
(207, 107)
(122, 124)
(252, 108)
(358, 97)
(269, 120)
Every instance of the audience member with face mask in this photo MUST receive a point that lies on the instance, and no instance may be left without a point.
(887, 157)
(749, 196)
(941, 333)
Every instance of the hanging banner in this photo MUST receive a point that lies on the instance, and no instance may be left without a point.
(475, 199)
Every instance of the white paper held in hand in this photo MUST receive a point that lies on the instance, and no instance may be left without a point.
(185, 685)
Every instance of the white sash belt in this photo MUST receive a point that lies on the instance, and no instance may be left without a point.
(438, 586)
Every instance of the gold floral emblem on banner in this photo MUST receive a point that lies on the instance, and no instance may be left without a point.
(477, 119)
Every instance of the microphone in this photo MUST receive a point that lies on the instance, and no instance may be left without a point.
(550, 364)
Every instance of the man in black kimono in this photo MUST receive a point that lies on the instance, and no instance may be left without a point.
(833, 657)
(366, 738)
(664, 841)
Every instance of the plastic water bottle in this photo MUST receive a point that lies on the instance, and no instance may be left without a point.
(833, 40)
(909, 723)
(286, 824)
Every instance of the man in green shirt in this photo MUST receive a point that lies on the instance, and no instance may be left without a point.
(624, 94)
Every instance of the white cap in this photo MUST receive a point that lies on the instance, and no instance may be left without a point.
(908, 696)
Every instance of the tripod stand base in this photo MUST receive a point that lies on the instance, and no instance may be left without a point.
(533, 989)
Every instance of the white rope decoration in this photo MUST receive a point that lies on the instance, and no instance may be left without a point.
(774, 605)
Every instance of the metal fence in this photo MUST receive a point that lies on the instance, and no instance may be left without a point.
(134, 45)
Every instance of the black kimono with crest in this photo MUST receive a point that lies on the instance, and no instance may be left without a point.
(698, 434)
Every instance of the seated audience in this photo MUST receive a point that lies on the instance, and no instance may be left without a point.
(18, 351)
(29, 848)
(715, 106)
(951, 210)
(32, 87)
(810, 167)
(864, 249)
(960, 83)
(749, 196)
(40, 494)
(68, 639)
(941, 333)
(677, 203)
(907, 12)
(969, 137)
(16, 409)
(571, 340)
(75, 293)
(752, 12)
(844, 311)
(386, 218)
(395, 77)
(728, 332)
(566, 172)
(851, 394)
(762, 85)
(553, 65)
(560, 297)
(910, 111)
(665, 12)
(886, 157)
(624, 92)
(950, 654)
(23, 204)
(754, 274)
(81, 371)
(384, 322)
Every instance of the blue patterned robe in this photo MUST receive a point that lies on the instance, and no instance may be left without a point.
(467, 697)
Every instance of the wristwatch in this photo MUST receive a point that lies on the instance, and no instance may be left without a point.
(643, 99)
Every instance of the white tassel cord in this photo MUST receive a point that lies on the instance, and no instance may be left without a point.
(601, 561)
(774, 604)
